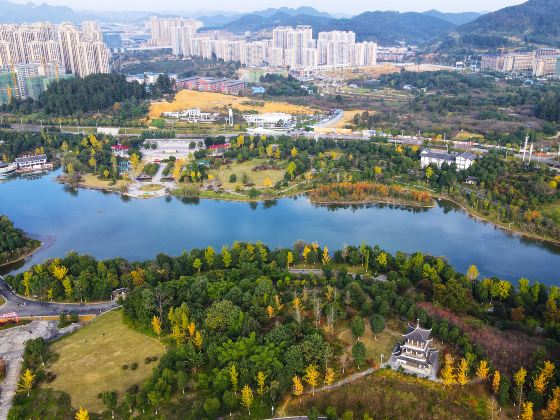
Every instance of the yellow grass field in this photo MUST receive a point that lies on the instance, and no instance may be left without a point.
(90, 360)
(347, 118)
(238, 169)
(465, 135)
(209, 101)
(92, 181)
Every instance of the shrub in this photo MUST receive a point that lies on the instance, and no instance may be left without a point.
(233, 178)
(124, 367)
(147, 360)
(134, 366)
(331, 413)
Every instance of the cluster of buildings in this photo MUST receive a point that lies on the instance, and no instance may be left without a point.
(33, 55)
(193, 115)
(544, 62)
(288, 47)
(211, 84)
(438, 157)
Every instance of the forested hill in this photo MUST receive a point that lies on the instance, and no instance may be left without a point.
(535, 22)
(383, 27)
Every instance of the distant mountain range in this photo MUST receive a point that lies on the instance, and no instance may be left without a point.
(383, 27)
(535, 21)
(455, 18)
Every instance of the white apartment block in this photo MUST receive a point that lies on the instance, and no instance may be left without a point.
(80, 52)
(288, 47)
(539, 63)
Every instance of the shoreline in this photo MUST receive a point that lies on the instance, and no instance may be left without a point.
(306, 192)
(22, 257)
(373, 201)
(473, 214)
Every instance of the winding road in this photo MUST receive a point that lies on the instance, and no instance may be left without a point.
(26, 307)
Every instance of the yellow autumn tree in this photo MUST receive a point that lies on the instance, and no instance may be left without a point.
(462, 375)
(26, 381)
(527, 411)
(191, 328)
(82, 414)
(305, 253)
(519, 379)
(270, 312)
(261, 378)
(541, 381)
(482, 370)
(247, 398)
(326, 257)
(156, 325)
(311, 376)
(289, 258)
(552, 410)
(267, 183)
(496, 382)
(297, 386)
(448, 371)
(329, 376)
(198, 339)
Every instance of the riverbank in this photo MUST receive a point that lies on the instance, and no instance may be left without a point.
(373, 200)
(91, 182)
(479, 216)
(27, 252)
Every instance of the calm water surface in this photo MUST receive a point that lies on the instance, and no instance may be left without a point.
(106, 225)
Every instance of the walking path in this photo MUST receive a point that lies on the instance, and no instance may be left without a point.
(344, 381)
(12, 345)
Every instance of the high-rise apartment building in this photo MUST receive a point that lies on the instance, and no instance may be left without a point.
(80, 52)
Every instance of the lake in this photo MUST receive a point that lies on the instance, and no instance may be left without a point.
(107, 225)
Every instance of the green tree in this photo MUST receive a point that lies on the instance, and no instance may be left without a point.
(357, 326)
(359, 354)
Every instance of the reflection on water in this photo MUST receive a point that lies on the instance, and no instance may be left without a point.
(110, 225)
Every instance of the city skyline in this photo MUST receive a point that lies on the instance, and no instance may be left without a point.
(336, 6)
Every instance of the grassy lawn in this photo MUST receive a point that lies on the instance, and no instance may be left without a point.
(391, 395)
(92, 181)
(151, 187)
(90, 361)
(378, 344)
(256, 177)
(2, 300)
(552, 211)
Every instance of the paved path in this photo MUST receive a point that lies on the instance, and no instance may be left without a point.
(345, 381)
(26, 307)
(319, 273)
(12, 344)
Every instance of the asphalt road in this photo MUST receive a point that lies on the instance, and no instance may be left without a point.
(26, 307)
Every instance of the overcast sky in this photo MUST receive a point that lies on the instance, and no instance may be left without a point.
(333, 6)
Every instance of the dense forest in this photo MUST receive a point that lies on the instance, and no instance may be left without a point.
(13, 242)
(91, 94)
(278, 85)
(534, 21)
(242, 331)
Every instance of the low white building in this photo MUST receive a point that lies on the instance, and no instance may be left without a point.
(31, 162)
(193, 115)
(269, 120)
(439, 157)
(465, 160)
